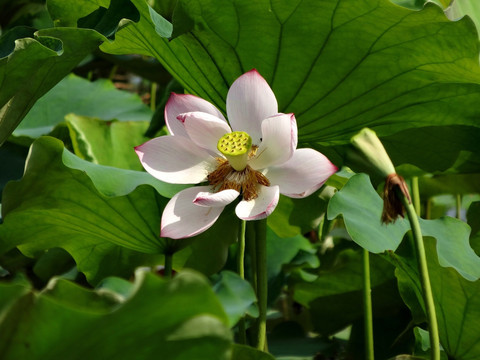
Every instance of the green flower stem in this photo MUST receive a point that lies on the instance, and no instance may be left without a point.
(367, 307)
(168, 265)
(262, 282)
(416, 195)
(458, 203)
(241, 249)
(324, 229)
(153, 96)
(428, 209)
(242, 337)
(252, 252)
(424, 277)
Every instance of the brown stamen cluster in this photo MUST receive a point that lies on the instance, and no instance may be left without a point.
(225, 177)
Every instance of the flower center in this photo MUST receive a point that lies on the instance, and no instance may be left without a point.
(245, 181)
(236, 147)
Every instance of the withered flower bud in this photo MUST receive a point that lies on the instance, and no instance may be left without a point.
(373, 152)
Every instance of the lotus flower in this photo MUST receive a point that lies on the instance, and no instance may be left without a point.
(256, 162)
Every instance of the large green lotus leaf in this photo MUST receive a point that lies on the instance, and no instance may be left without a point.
(31, 63)
(79, 96)
(177, 319)
(338, 65)
(108, 230)
(65, 195)
(107, 142)
(361, 208)
(457, 303)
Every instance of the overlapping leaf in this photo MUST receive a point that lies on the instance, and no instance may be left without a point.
(107, 142)
(180, 319)
(361, 208)
(79, 96)
(456, 302)
(31, 63)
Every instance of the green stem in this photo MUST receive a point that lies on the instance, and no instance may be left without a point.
(458, 208)
(241, 272)
(367, 307)
(168, 265)
(428, 209)
(424, 277)
(416, 195)
(252, 251)
(153, 96)
(262, 282)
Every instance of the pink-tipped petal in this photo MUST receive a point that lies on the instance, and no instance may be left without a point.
(260, 207)
(204, 129)
(221, 198)
(179, 104)
(175, 160)
(250, 100)
(305, 172)
(181, 218)
(279, 141)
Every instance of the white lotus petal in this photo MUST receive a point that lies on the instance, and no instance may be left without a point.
(305, 172)
(279, 141)
(260, 207)
(182, 218)
(250, 100)
(179, 104)
(204, 129)
(175, 159)
(221, 198)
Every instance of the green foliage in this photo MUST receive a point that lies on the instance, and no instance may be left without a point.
(185, 322)
(107, 142)
(32, 63)
(79, 96)
(361, 208)
(456, 301)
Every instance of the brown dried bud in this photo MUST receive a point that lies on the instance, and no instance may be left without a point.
(392, 205)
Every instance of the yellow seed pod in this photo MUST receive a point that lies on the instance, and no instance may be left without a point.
(235, 146)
